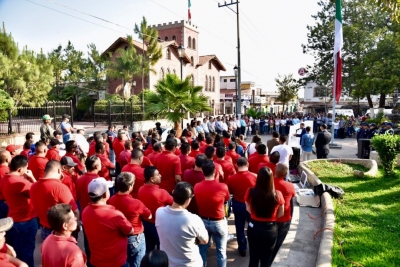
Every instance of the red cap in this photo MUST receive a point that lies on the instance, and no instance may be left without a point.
(12, 148)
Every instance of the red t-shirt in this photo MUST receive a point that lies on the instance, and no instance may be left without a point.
(193, 177)
(194, 153)
(92, 148)
(118, 146)
(153, 198)
(148, 150)
(79, 167)
(53, 154)
(37, 165)
(4, 262)
(133, 210)
(210, 198)
(3, 171)
(46, 193)
(233, 155)
(146, 162)
(227, 168)
(68, 181)
(203, 148)
(202, 143)
(227, 141)
(270, 165)
(153, 156)
(16, 192)
(139, 177)
(124, 158)
(288, 192)
(106, 229)
(106, 165)
(169, 165)
(187, 162)
(82, 188)
(280, 201)
(257, 159)
(25, 152)
(240, 182)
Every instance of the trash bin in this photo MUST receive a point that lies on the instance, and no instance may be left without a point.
(364, 148)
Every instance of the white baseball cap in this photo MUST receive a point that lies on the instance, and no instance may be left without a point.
(97, 187)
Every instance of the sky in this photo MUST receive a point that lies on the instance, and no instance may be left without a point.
(271, 31)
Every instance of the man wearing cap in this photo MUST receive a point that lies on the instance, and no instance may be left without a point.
(61, 248)
(53, 152)
(389, 129)
(106, 228)
(363, 132)
(58, 135)
(15, 187)
(7, 253)
(69, 175)
(37, 162)
(5, 159)
(134, 210)
(14, 150)
(48, 192)
(372, 130)
(46, 131)
(66, 128)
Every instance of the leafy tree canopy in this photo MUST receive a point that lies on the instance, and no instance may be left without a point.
(288, 87)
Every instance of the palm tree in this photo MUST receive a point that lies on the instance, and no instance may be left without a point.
(254, 113)
(174, 98)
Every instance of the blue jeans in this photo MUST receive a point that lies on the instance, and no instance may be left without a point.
(241, 216)
(283, 130)
(44, 233)
(151, 235)
(335, 133)
(112, 156)
(66, 138)
(136, 249)
(277, 128)
(283, 229)
(3, 209)
(22, 237)
(219, 231)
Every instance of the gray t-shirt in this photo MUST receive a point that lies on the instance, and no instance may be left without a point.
(178, 230)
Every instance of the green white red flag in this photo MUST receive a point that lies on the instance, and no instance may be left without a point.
(189, 14)
(337, 51)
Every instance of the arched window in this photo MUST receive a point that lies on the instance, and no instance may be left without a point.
(213, 85)
(206, 84)
(166, 38)
(161, 74)
(194, 44)
(174, 71)
(209, 84)
(174, 37)
(192, 80)
(192, 59)
(168, 71)
(168, 53)
(189, 42)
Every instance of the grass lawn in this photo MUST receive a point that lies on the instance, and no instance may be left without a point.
(367, 218)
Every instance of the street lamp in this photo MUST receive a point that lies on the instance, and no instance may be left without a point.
(181, 52)
(235, 69)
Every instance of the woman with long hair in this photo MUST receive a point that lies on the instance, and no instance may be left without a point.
(265, 205)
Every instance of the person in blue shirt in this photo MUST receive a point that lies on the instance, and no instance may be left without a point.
(66, 128)
(262, 123)
(303, 131)
(306, 143)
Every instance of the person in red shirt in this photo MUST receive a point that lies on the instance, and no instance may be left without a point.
(72, 151)
(48, 192)
(106, 228)
(153, 198)
(187, 162)
(169, 166)
(134, 168)
(125, 155)
(53, 153)
(133, 210)
(97, 137)
(288, 192)
(15, 187)
(195, 149)
(273, 160)
(68, 171)
(138, 144)
(219, 173)
(265, 205)
(157, 149)
(60, 248)
(5, 159)
(106, 164)
(227, 167)
(27, 149)
(211, 197)
(238, 185)
(119, 146)
(232, 153)
(227, 138)
(209, 142)
(38, 162)
(194, 176)
(14, 150)
(260, 157)
(201, 138)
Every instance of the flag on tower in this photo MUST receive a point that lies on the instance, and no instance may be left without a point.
(337, 51)
(189, 14)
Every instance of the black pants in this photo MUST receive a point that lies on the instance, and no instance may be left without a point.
(242, 129)
(262, 238)
(238, 131)
(283, 229)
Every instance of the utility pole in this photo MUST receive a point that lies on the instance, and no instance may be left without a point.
(239, 81)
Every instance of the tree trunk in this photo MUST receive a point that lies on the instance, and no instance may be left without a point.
(178, 129)
(382, 100)
(370, 104)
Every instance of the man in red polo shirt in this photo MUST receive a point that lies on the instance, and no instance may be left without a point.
(211, 197)
(48, 192)
(187, 162)
(169, 166)
(209, 142)
(53, 153)
(201, 139)
(273, 160)
(14, 150)
(106, 228)
(37, 163)
(134, 168)
(153, 198)
(68, 172)
(119, 146)
(15, 187)
(61, 248)
(138, 144)
(288, 192)
(133, 210)
(125, 155)
(5, 159)
(219, 173)
(72, 151)
(227, 167)
(195, 149)
(232, 153)
(260, 157)
(238, 185)
(157, 149)
(106, 164)
(97, 137)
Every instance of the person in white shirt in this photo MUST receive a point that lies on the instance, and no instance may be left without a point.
(283, 125)
(238, 125)
(224, 125)
(257, 125)
(285, 151)
(80, 140)
(211, 125)
(277, 124)
(204, 126)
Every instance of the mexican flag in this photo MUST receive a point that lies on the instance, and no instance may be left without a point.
(337, 50)
(189, 14)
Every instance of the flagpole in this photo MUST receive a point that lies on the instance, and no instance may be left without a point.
(334, 97)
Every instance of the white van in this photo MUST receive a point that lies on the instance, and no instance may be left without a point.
(386, 111)
(345, 112)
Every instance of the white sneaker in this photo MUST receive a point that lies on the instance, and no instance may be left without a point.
(230, 237)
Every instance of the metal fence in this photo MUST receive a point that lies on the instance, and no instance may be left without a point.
(29, 119)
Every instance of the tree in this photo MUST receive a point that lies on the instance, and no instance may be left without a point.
(174, 98)
(288, 88)
(251, 112)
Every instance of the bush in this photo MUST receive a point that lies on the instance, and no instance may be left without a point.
(6, 103)
(387, 146)
(84, 103)
(380, 117)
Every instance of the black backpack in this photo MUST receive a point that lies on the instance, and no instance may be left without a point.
(333, 190)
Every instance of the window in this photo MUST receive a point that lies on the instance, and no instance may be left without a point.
(174, 37)
(168, 71)
(232, 80)
(166, 38)
(209, 84)
(206, 84)
(225, 80)
(192, 80)
(161, 74)
(168, 53)
(209, 65)
(194, 44)
(213, 85)
(174, 71)
(189, 42)
(321, 91)
(192, 59)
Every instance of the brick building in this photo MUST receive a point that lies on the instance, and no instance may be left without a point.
(203, 70)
